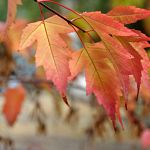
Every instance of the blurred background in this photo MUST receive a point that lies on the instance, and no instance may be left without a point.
(44, 121)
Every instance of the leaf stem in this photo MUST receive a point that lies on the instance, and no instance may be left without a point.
(73, 11)
(67, 20)
(79, 17)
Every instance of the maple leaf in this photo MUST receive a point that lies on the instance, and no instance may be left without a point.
(52, 51)
(99, 74)
(139, 47)
(121, 55)
(120, 58)
(105, 24)
(134, 63)
(138, 38)
(140, 63)
(128, 14)
(12, 9)
(11, 14)
(14, 98)
(13, 34)
(111, 60)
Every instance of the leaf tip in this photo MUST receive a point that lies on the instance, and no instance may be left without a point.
(64, 97)
(126, 105)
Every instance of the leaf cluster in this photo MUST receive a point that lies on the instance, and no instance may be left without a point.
(110, 55)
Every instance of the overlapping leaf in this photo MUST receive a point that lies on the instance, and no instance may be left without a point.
(52, 52)
(12, 9)
(128, 14)
(122, 56)
(12, 37)
(11, 14)
(135, 68)
(117, 54)
(107, 64)
(105, 24)
(139, 47)
(99, 74)
(134, 63)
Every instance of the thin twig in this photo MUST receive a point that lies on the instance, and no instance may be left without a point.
(55, 12)
(70, 21)
(71, 10)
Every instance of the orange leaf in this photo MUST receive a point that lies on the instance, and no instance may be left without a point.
(122, 57)
(139, 47)
(120, 54)
(100, 75)
(14, 98)
(11, 13)
(128, 14)
(134, 63)
(12, 37)
(52, 51)
(105, 24)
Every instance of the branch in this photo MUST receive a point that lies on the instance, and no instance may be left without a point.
(58, 14)
(70, 21)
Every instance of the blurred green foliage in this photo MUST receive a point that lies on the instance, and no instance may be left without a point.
(30, 11)
(138, 3)
(105, 5)
(93, 5)
(3, 9)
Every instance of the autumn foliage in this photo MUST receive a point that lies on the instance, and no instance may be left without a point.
(110, 55)
(14, 98)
